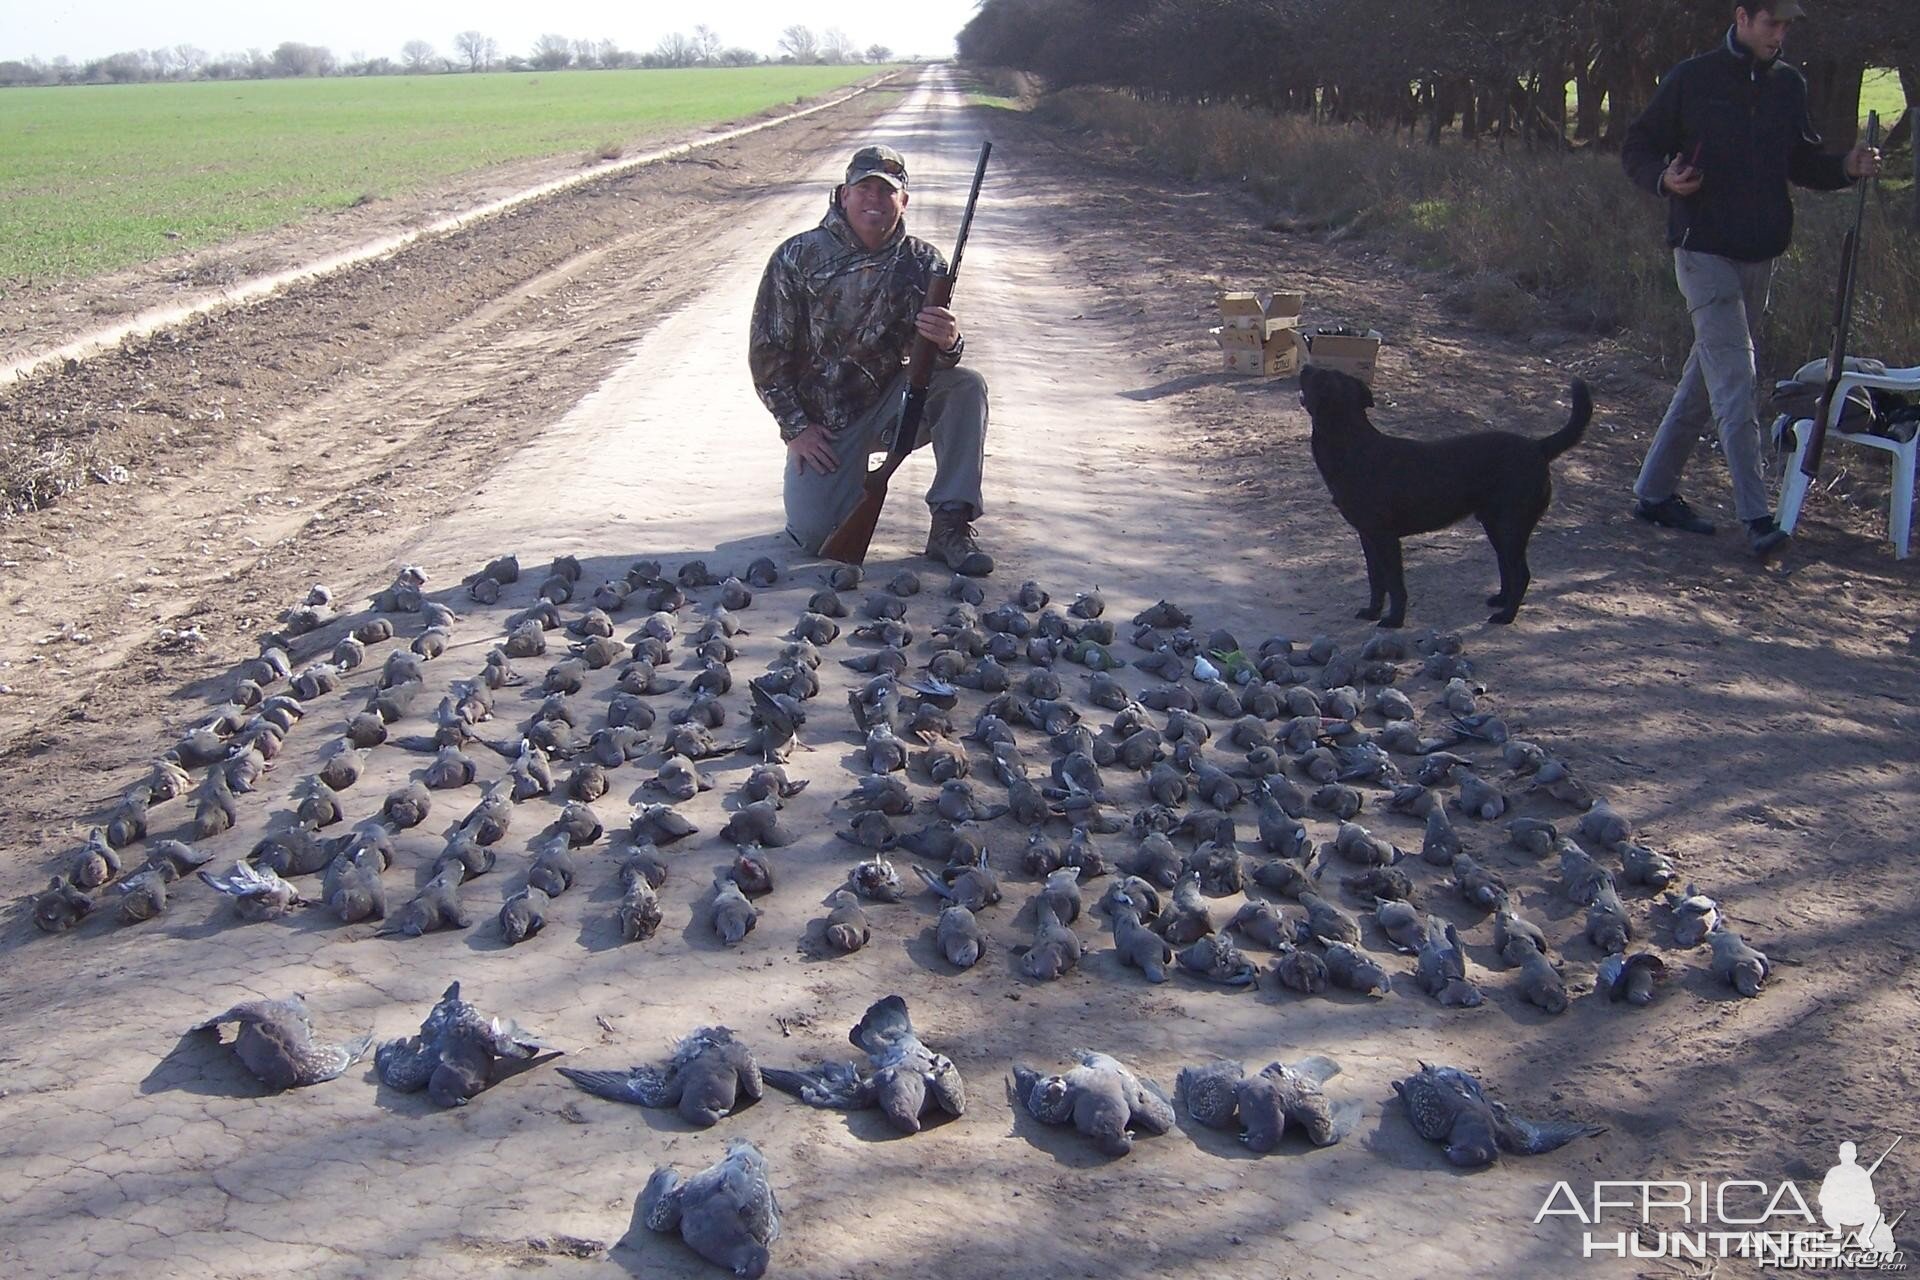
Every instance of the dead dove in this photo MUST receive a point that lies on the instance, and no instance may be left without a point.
(1480, 887)
(732, 916)
(1645, 866)
(901, 1076)
(1099, 1097)
(1603, 826)
(1477, 798)
(1632, 977)
(1136, 944)
(1537, 837)
(1216, 959)
(1447, 1105)
(639, 912)
(1300, 970)
(1349, 969)
(1514, 935)
(60, 906)
(257, 894)
(1581, 878)
(875, 879)
(1695, 915)
(1220, 1094)
(454, 1055)
(523, 915)
(726, 1213)
(1540, 982)
(708, 1074)
(1442, 971)
(973, 887)
(1737, 964)
(957, 934)
(435, 906)
(1055, 948)
(1402, 924)
(846, 928)
(95, 863)
(1608, 926)
(352, 888)
(275, 1042)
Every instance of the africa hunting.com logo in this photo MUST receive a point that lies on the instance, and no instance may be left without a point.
(1768, 1224)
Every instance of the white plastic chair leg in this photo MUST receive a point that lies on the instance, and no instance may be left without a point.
(1793, 489)
(1900, 508)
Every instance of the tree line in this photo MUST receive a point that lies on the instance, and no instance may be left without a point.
(471, 51)
(1554, 72)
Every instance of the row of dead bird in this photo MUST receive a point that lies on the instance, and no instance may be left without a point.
(1322, 733)
(729, 1214)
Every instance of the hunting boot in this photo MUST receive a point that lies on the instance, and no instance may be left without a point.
(951, 541)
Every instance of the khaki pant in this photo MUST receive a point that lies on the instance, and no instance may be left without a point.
(1726, 300)
(954, 422)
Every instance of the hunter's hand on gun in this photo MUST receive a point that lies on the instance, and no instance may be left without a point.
(1863, 162)
(1680, 178)
(938, 326)
(814, 448)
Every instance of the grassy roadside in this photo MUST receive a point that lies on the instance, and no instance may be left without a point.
(1534, 239)
(101, 177)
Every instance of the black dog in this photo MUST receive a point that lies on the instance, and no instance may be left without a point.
(1389, 488)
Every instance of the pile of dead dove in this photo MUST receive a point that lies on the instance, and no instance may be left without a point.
(1189, 791)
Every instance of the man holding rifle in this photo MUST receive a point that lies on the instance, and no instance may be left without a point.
(1724, 135)
(837, 314)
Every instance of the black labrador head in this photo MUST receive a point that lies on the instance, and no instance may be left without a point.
(1334, 399)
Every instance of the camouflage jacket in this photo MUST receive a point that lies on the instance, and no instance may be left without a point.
(833, 322)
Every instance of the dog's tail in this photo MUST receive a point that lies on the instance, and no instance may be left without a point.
(1568, 436)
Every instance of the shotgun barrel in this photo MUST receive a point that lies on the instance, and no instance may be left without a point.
(1842, 318)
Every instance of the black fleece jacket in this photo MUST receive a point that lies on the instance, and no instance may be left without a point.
(1748, 121)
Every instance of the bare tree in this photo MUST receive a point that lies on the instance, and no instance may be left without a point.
(800, 44)
(835, 47)
(674, 50)
(476, 49)
(610, 55)
(706, 44)
(291, 58)
(879, 53)
(419, 55)
(551, 52)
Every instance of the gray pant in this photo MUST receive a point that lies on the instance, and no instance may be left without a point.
(955, 423)
(1726, 300)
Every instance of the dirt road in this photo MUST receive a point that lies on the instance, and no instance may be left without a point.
(571, 382)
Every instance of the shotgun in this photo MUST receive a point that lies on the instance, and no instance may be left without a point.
(1842, 319)
(849, 541)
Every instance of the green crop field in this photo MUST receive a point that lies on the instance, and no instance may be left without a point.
(1880, 91)
(98, 177)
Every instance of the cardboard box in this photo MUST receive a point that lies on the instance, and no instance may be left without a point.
(1344, 353)
(1276, 357)
(1236, 338)
(1246, 310)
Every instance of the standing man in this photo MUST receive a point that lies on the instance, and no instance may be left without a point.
(1724, 135)
(833, 327)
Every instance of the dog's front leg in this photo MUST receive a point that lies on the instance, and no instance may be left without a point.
(1393, 579)
(1376, 585)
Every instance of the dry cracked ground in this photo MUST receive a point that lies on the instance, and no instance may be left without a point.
(568, 379)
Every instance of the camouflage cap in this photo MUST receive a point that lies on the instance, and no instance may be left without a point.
(878, 162)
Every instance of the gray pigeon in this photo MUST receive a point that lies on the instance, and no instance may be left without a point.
(1741, 966)
(1442, 971)
(1100, 1097)
(726, 1213)
(257, 894)
(1448, 1105)
(276, 1043)
(901, 1076)
(1282, 1093)
(708, 1074)
(453, 1056)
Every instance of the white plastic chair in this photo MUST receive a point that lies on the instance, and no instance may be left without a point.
(1793, 491)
